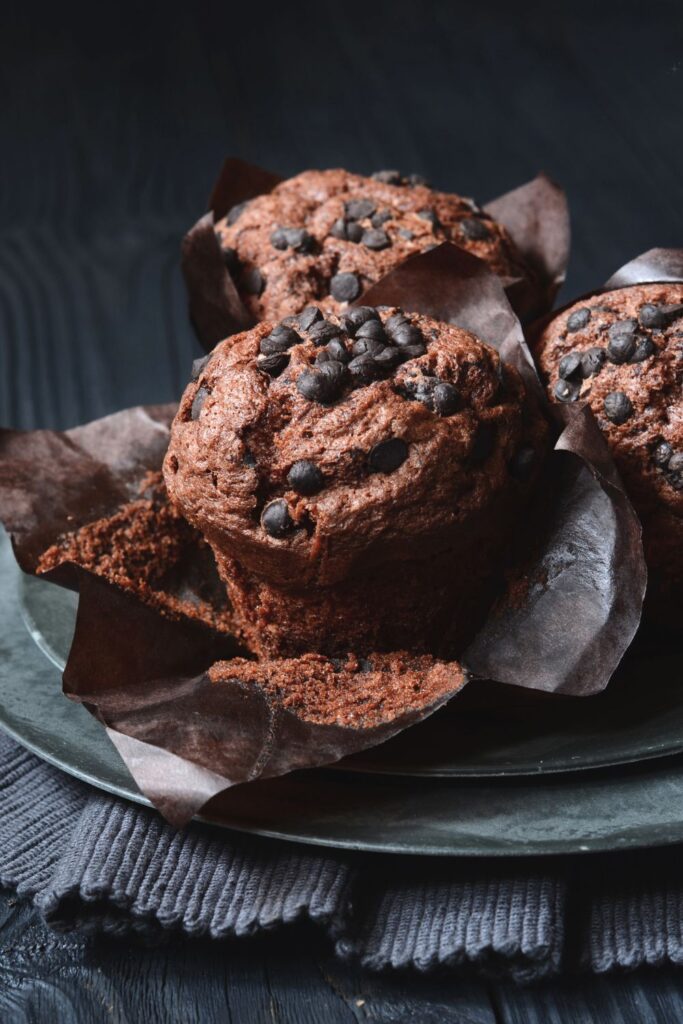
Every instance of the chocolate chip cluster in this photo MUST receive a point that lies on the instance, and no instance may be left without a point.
(349, 354)
(629, 341)
(362, 223)
(670, 463)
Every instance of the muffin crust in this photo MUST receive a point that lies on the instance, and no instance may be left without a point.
(325, 236)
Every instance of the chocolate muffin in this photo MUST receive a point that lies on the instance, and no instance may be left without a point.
(325, 236)
(356, 477)
(622, 352)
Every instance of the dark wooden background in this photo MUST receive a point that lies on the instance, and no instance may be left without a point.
(114, 119)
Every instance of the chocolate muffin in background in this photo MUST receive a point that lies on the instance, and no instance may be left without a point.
(622, 352)
(356, 477)
(325, 236)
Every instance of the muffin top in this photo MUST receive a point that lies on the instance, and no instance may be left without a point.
(326, 236)
(622, 352)
(306, 446)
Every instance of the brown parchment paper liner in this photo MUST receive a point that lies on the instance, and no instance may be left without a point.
(144, 663)
(576, 579)
(536, 215)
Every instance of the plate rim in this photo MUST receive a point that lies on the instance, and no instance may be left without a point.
(318, 832)
(355, 763)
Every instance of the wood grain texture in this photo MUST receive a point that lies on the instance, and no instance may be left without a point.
(282, 978)
(114, 120)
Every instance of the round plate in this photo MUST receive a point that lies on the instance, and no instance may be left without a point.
(569, 813)
(490, 730)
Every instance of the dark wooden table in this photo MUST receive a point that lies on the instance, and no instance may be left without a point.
(113, 121)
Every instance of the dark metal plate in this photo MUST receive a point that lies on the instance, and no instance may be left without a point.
(576, 812)
(490, 730)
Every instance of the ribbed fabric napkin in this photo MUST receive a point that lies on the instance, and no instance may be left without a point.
(95, 862)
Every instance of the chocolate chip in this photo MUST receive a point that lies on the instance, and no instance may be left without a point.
(578, 319)
(417, 179)
(235, 212)
(662, 454)
(338, 230)
(569, 365)
(322, 332)
(644, 349)
(334, 371)
(412, 351)
(592, 361)
(483, 442)
(274, 364)
(278, 239)
(305, 478)
(622, 341)
(337, 350)
(231, 259)
(301, 241)
(275, 518)
(567, 391)
(373, 346)
(363, 369)
(357, 209)
(388, 177)
(429, 215)
(198, 366)
(248, 459)
(318, 386)
(618, 407)
(674, 474)
(380, 218)
(345, 287)
(279, 340)
(375, 239)
(387, 456)
(474, 229)
(388, 359)
(651, 315)
(446, 399)
(322, 356)
(522, 462)
(198, 401)
(310, 316)
(356, 317)
(406, 233)
(394, 322)
(406, 334)
(253, 281)
(354, 232)
(422, 390)
(292, 238)
(372, 329)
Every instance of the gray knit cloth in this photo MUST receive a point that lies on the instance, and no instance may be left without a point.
(94, 862)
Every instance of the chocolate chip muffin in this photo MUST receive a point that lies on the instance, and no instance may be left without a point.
(622, 352)
(326, 236)
(356, 476)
